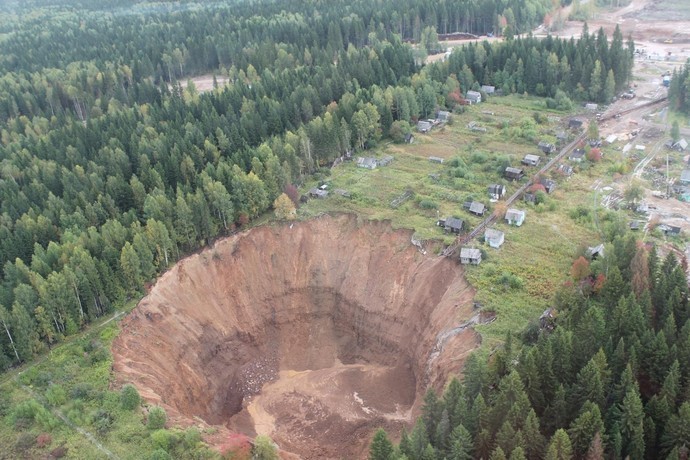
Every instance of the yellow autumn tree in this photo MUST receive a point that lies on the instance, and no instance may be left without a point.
(284, 207)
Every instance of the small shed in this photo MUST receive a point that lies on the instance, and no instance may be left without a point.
(488, 90)
(423, 126)
(477, 208)
(546, 147)
(549, 184)
(385, 161)
(531, 160)
(436, 160)
(577, 155)
(681, 145)
(595, 252)
(636, 224)
(409, 138)
(496, 191)
(561, 137)
(565, 169)
(669, 230)
(470, 256)
(451, 224)
(494, 238)
(474, 97)
(685, 177)
(443, 116)
(547, 320)
(514, 173)
(515, 217)
(318, 193)
(611, 138)
(367, 162)
(575, 123)
(591, 107)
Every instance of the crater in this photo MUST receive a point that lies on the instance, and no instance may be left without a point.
(314, 333)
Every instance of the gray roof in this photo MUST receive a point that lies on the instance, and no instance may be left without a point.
(531, 158)
(367, 162)
(423, 126)
(514, 213)
(685, 175)
(493, 234)
(477, 207)
(681, 144)
(511, 170)
(473, 95)
(488, 89)
(454, 222)
(470, 253)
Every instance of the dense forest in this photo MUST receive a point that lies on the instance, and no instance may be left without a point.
(110, 171)
(604, 376)
(679, 90)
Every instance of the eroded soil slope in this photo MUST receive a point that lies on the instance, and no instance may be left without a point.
(314, 333)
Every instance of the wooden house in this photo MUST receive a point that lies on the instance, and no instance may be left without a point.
(515, 217)
(470, 256)
(475, 207)
(436, 160)
(318, 193)
(367, 162)
(514, 173)
(496, 191)
(546, 147)
(577, 155)
(451, 224)
(531, 160)
(474, 97)
(549, 184)
(494, 238)
(423, 126)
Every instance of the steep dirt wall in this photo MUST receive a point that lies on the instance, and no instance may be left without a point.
(287, 308)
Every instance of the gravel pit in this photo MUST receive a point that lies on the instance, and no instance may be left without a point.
(314, 333)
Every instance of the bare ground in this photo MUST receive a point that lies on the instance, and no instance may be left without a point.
(315, 333)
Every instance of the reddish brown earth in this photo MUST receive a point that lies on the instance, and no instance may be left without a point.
(315, 333)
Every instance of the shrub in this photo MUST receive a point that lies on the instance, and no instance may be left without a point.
(82, 390)
(43, 440)
(56, 395)
(478, 158)
(129, 397)
(159, 454)
(102, 421)
(157, 418)
(428, 204)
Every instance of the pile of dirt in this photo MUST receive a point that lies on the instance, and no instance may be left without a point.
(314, 333)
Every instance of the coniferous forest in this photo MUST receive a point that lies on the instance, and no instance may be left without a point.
(110, 170)
(606, 378)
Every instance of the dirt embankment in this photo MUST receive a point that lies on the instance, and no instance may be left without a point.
(315, 333)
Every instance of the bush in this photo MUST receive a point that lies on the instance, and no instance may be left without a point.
(478, 158)
(428, 204)
(159, 454)
(43, 440)
(81, 391)
(129, 397)
(102, 421)
(56, 395)
(511, 281)
(157, 418)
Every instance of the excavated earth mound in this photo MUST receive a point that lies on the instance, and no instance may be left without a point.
(314, 333)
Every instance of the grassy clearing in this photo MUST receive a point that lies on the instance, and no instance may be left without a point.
(518, 280)
(73, 380)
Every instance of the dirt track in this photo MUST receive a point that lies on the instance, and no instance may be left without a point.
(315, 333)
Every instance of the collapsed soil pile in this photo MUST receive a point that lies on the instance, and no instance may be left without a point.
(315, 333)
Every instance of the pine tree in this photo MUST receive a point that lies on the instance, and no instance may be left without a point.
(585, 427)
(460, 444)
(632, 428)
(559, 447)
(381, 448)
(535, 443)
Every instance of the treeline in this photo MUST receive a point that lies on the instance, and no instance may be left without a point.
(679, 89)
(608, 377)
(587, 69)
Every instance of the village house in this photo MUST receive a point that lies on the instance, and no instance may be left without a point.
(436, 160)
(476, 208)
(473, 97)
(409, 138)
(443, 116)
(595, 252)
(546, 147)
(577, 155)
(575, 123)
(488, 90)
(423, 126)
(681, 145)
(367, 162)
(685, 177)
(547, 320)
(496, 191)
(565, 169)
(531, 160)
(514, 173)
(451, 224)
(494, 238)
(669, 230)
(549, 185)
(318, 193)
(471, 256)
(515, 217)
